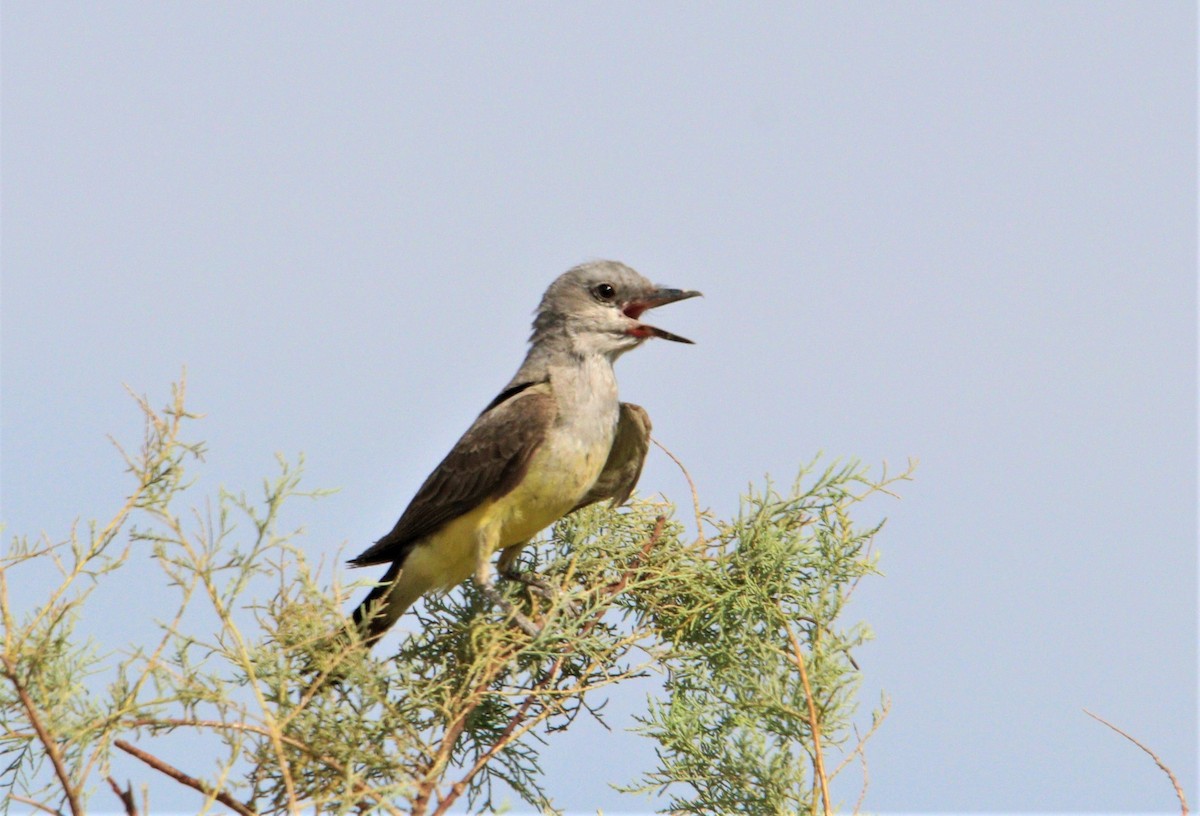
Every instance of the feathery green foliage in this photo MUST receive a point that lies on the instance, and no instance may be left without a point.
(283, 714)
(760, 674)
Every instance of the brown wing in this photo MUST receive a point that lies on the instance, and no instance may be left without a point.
(489, 461)
(623, 467)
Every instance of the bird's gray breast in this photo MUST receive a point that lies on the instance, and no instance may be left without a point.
(570, 458)
(586, 422)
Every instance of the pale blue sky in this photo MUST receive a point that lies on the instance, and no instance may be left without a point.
(964, 232)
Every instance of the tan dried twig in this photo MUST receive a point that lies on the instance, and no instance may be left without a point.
(691, 486)
(813, 722)
(184, 779)
(1183, 805)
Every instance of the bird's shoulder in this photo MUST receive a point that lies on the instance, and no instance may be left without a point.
(519, 412)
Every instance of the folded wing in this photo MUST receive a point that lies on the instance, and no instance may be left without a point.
(490, 460)
(623, 467)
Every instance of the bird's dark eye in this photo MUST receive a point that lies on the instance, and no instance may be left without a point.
(604, 291)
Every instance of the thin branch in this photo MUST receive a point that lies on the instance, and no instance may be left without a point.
(182, 778)
(866, 779)
(359, 787)
(155, 455)
(1183, 805)
(862, 754)
(34, 803)
(242, 654)
(438, 762)
(691, 486)
(884, 710)
(170, 630)
(618, 586)
(44, 736)
(813, 722)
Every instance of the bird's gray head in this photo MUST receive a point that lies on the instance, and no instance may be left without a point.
(595, 309)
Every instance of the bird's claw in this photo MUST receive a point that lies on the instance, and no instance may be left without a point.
(526, 625)
(540, 588)
(536, 585)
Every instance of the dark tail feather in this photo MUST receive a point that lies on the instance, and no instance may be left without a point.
(376, 614)
(370, 620)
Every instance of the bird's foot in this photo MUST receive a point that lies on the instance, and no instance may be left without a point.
(539, 588)
(536, 585)
(526, 625)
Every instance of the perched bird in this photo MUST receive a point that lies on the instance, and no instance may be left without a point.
(555, 439)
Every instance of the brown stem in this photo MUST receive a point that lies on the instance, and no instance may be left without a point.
(216, 725)
(182, 778)
(866, 779)
(429, 783)
(48, 742)
(813, 723)
(616, 588)
(691, 486)
(126, 796)
(859, 749)
(1183, 805)
(34, 804)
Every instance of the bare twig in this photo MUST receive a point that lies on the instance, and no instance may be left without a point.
(44, 736)
(35, 804)
(155, 456)
(182, 778)
(126, 796)
(691, 486)
(862, 754)
(457, 789)
(866, 779)
(429, 784)
(359, 787)
(885, 709)
(1183, 805)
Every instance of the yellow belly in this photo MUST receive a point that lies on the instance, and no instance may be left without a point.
(552, 486)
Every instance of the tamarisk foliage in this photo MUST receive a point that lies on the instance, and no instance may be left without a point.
(282, 711)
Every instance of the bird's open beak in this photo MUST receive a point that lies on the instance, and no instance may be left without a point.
(659, 297)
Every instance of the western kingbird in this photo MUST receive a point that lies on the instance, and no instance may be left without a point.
(555, 439)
